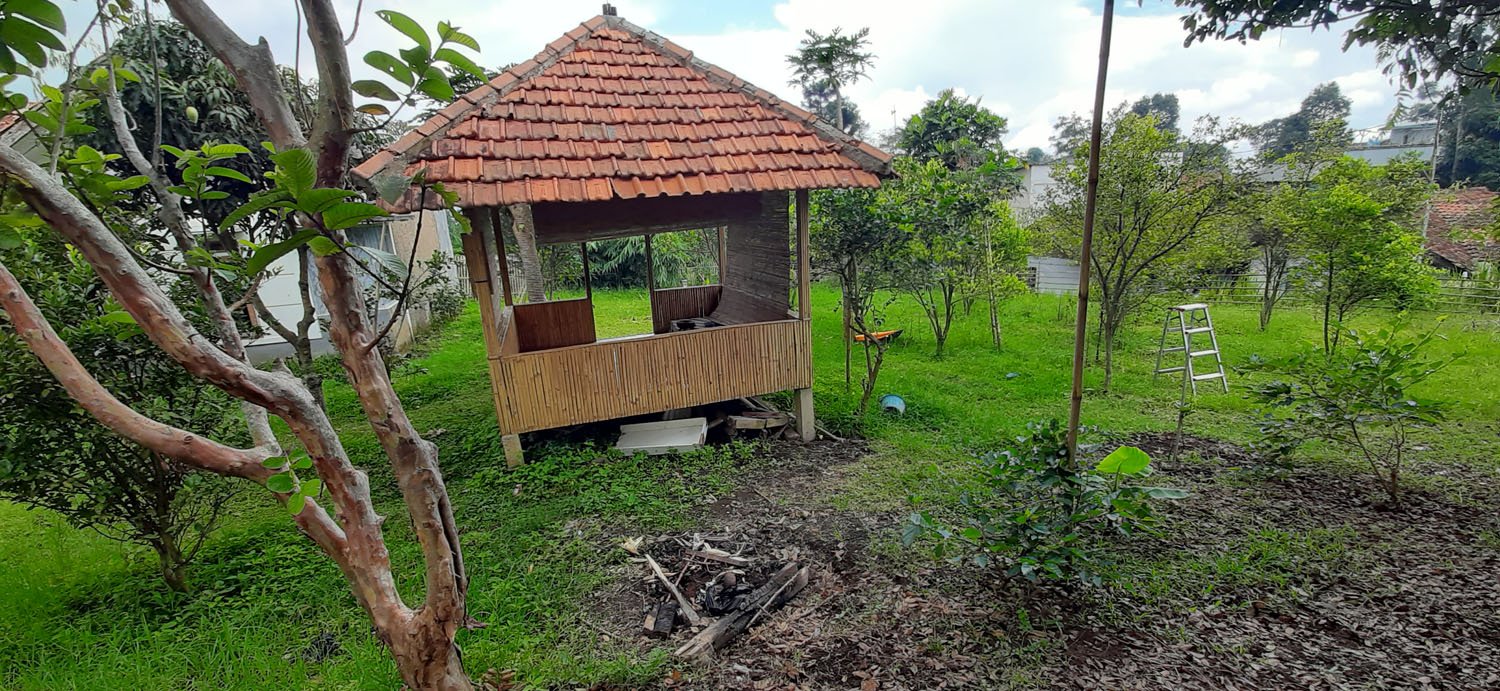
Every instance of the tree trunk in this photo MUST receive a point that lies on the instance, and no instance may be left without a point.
(169, 558)
(531, 261)
(426, 656)
(1108, 325)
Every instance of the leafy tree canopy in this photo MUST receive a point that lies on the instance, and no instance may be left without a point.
(1420, 40)
(1164, 107)
(953, 129)
(1324, 106)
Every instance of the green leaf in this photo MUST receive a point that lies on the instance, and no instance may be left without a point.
(28, 39)
(463, 39)
(274, 462)
(297, 170)
(257, 203)
(10, 238)
(232, 174)
(320, 199)
(322, 246)
(263, 257)
(460, 61)
(437, 88)
(282, 482)
(350, 214)
(391, 66)
(225, 150)
(303, 462)
(407, 26)
(1164, 492)
(295, 503)
(390, 187)
(130, 183)
(310, 487)
(1126, 460)
(117, 317)
(374, 109)
(371, 88)
(40, 11)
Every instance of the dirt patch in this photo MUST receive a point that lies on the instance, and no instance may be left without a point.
(1377, 598)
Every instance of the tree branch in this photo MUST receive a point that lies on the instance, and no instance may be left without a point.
(253, 68)
(178, 444)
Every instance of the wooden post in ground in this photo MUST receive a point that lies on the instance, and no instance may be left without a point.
(493, 240)
(806, 424)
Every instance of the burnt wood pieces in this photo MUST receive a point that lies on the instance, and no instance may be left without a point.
(775, 592)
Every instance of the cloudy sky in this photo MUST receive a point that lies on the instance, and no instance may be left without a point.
(1030, 60)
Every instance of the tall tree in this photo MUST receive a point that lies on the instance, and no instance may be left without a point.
(56, 456)
(1271, 213)
(820, 100)
(958, 131)
(1468, 139)
(831, 62)
(1321, 109)
(855, 242)
(310, 167)
(1163, 208)
(1163, 107)
(1068, 133)
(1419, 40)
(1358, 229)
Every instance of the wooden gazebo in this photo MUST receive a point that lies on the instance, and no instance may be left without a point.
(614, 131)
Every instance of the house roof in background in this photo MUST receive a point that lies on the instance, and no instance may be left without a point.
(612, 111)
(1456, 227)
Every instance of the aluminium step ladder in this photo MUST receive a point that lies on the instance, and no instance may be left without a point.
(1192, 319)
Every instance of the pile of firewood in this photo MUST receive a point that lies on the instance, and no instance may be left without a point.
(713, 585)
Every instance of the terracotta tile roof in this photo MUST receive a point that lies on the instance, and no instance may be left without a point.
(611, 110)
(1456, 227)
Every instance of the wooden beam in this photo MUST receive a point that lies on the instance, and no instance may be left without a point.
(588, 283)
(479, 278)
(804, 263)
(806, 424)
(723, 254)
(559, 222)
(650, 267)
(496, 244)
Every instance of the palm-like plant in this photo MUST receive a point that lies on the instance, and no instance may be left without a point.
(831, 62)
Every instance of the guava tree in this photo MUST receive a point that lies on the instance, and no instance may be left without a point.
(1163, 210)
(327, 495)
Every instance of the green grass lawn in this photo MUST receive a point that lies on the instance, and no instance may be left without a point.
(78, 611)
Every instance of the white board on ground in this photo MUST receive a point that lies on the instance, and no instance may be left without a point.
(657, 438)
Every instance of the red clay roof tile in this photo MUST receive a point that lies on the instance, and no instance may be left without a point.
(610, 110)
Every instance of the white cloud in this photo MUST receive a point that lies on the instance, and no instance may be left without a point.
(1030, 61)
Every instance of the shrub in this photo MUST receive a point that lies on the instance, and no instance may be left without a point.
(1358, 398)
(1042, 517)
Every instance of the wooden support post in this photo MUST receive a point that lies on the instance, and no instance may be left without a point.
(480, 277)
(806, 424)
(494, 243)
(513, 453)
(804, 262)
(723, 253)
(588, 283)
(650, 267)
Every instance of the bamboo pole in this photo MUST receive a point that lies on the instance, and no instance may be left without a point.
(1080, 327)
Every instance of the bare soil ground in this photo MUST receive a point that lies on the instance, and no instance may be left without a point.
(1264, 579)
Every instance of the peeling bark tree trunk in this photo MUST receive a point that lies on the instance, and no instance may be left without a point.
(531, 261)
(421, 638)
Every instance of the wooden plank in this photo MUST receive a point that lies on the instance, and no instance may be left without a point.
(619, 378)
(670, 304)
(494, 248)
(575, 222)
(804, 262)
(554, 324)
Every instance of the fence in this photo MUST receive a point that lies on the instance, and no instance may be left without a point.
(1454, 294)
